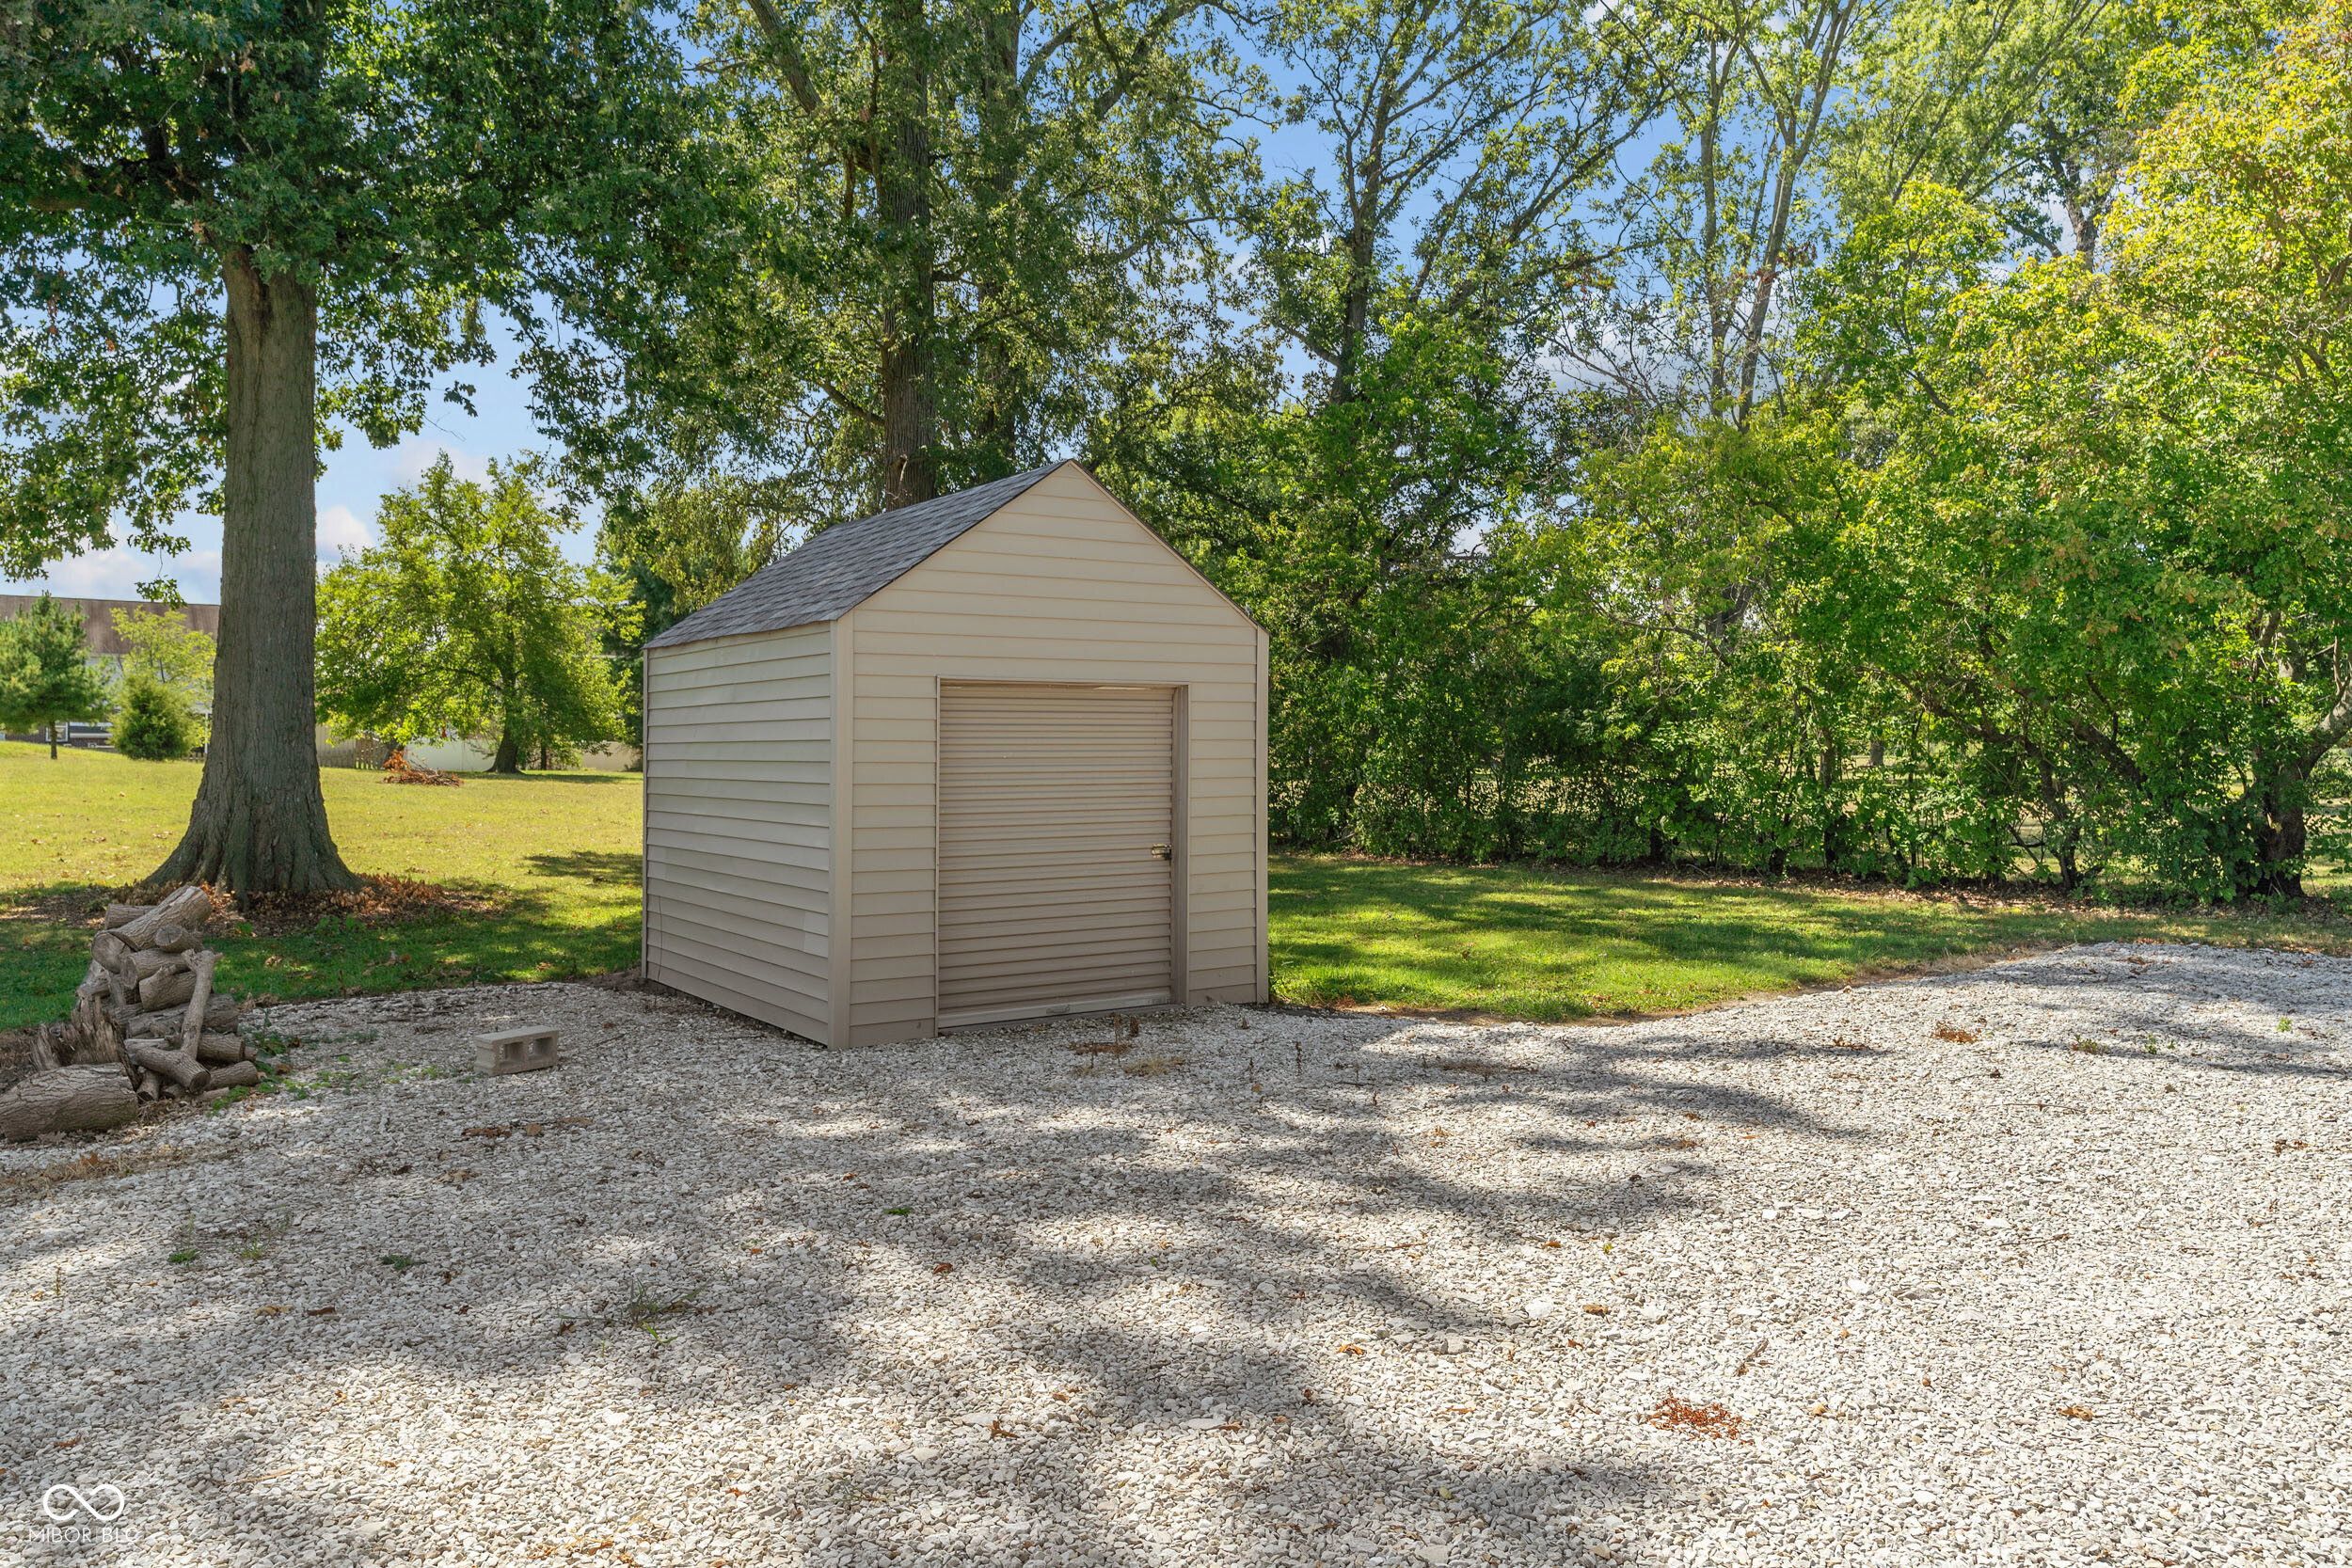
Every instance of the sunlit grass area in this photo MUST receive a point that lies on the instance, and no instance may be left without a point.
(548, 864)
(547, 861)
(1547, 944)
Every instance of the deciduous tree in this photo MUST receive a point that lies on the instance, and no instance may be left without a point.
(226, 228)
(468, 620)
(160, 645)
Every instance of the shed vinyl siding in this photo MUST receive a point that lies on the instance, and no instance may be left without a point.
(1062, 585)
(1056, 813)
(739, 825)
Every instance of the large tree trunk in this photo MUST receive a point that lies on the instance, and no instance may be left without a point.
(2283, 835)
(259, 823)
(902, 190)
(510, 755)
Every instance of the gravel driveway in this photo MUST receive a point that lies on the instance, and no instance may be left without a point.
(2043, 1263)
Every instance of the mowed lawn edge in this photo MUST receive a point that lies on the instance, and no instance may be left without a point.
(1553, 945)
(552, 863)
(548, 864)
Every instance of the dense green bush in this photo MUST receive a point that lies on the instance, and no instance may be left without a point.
(155, 725)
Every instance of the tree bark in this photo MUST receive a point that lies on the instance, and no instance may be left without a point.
(509, 758)
(260, 822)
(2282, 834)
(219, 1014)
(68, 1099)
(902, 191)
(1832, 810)
(181, 1069)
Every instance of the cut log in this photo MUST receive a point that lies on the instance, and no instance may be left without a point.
(122, 914)
(68, 1099)
(109, 951)
(220, 1013)
(222, 1047)
(190, 906)
(155, 961)
(187, 1071)
(166, 990)
(203, 963)
(172, 937)
(236, 1075)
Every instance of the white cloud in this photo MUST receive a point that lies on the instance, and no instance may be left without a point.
(341, 532)
(412, 457)
(117, 573)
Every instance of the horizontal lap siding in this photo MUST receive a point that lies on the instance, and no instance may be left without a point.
(738, 830)
(1062, 585)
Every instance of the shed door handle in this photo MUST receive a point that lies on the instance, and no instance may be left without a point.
(1163, 852)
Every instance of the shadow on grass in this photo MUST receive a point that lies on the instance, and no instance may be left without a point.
(608, 867)
(527, 934)
(1556, 947)
(593, 779)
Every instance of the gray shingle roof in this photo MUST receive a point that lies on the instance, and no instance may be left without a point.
(845, 565)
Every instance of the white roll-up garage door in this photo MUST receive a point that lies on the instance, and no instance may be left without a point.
(1055, 845)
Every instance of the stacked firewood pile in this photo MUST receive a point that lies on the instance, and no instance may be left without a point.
(149, 1005)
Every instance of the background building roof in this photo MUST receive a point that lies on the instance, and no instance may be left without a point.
(98, 622)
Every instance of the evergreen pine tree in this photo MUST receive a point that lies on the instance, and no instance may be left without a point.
(154, 726)
(46, 680)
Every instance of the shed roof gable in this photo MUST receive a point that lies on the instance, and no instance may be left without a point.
(846, 564)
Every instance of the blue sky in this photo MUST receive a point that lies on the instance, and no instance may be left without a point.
(356, 478)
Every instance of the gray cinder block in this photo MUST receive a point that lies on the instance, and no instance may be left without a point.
(514, 1051)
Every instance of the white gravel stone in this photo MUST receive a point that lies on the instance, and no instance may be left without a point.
(2064, 1283)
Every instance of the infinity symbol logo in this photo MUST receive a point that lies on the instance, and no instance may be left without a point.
(49, 1502)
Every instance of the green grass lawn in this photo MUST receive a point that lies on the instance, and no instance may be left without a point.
(1524, 944)
(553, 857)
(551, 862)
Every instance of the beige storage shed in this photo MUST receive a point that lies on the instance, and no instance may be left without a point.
(995, 756)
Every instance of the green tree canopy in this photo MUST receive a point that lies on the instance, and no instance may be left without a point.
(229, 230)
(468, 620)
(160, 646)
(955, 212)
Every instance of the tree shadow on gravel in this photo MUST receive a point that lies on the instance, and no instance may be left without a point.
(1064, 1286)
(2150, 1027)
